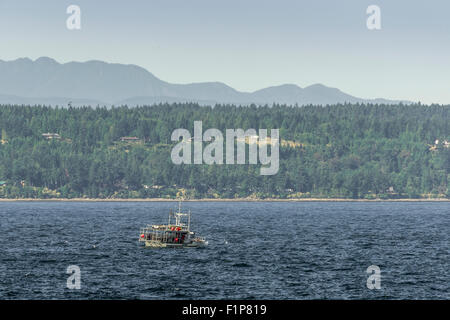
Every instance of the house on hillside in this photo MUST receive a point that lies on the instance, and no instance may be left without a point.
(252, 139)
(51, 136)
(437, 144)
(130, 139)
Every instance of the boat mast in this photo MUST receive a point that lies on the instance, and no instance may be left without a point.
(189, 221)
(179, 217)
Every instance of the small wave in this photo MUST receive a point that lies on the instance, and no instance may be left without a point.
(241, 265)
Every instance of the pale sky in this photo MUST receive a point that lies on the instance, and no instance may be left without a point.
(249, 44)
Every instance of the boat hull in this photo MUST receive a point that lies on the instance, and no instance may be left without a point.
(158, 244)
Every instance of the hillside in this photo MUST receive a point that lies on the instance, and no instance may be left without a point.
(342, 151)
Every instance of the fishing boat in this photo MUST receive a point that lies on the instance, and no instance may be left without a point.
(175, 234)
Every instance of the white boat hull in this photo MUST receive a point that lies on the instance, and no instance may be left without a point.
(158, 244)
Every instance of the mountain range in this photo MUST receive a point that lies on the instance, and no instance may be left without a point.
(45, 81)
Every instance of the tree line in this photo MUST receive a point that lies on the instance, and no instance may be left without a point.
(360, 151)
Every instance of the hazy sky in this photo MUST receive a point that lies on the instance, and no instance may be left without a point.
(249, 44)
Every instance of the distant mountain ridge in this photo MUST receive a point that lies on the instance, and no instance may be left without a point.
(45, 81)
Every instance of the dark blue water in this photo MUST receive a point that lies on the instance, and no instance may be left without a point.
(266, 250)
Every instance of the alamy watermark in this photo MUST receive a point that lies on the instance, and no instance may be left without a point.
(258, 144)
(74, 280)
(374, 280)
(374, 20)
(73, 22)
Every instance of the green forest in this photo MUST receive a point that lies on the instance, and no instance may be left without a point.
(355, 151)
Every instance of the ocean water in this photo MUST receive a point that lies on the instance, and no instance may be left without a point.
(257, 250)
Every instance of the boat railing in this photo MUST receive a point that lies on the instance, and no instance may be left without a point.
(197, 238)
(149, 233)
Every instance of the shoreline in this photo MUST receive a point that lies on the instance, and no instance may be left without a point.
(222, 200)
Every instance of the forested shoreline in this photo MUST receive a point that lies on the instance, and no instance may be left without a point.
(339, 151)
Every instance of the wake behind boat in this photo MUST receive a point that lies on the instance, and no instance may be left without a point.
(175, 234)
